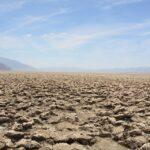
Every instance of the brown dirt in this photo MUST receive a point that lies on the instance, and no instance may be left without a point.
(66, 111)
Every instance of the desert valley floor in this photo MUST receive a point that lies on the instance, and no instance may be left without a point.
(74, 111)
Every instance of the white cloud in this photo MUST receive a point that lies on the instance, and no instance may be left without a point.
(11, 42)
(11, 5)
(71, 40)
(145, 33)
(76, 38)
(30, 20)
(65, 41)
(107, 4)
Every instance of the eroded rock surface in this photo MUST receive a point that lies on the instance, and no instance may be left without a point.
(56, 111)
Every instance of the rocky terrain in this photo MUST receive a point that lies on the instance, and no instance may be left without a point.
(56, 111)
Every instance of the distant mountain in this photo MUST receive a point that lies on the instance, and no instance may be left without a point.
(113, 70)
(4, 67)
(128, 70)
(15, 65)
(63, 69)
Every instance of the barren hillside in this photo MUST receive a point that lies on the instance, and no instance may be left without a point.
(4, 67)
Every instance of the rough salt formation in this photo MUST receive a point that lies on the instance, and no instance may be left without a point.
(55, 111)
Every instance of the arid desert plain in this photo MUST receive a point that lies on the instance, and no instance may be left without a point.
(74, 111)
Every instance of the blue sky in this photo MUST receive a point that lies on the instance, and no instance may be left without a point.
(76, 33)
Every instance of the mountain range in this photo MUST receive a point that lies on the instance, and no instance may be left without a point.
(110, 70)
(4, 67)
(13, 65)
(9, 64)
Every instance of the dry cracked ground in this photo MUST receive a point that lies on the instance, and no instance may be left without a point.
(66, 111)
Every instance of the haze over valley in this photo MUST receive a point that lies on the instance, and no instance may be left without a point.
(13, 65)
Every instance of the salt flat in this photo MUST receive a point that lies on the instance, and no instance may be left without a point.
(68, 111)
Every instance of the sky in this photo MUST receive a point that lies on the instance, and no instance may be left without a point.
(94, 34)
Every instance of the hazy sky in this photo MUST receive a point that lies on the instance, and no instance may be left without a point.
(77, 33)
